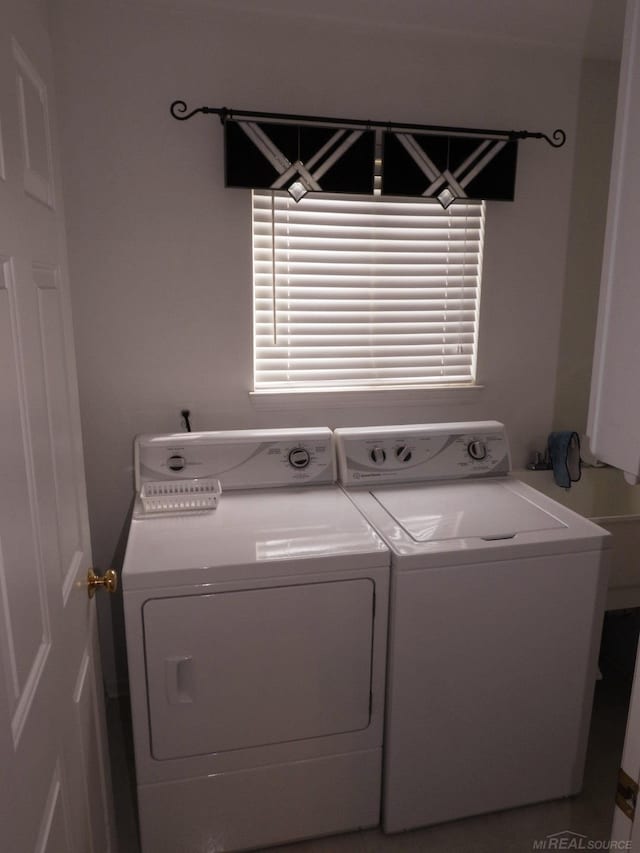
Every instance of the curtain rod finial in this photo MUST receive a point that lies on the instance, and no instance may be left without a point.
(557, 141)
(178, 110)
(560, 136)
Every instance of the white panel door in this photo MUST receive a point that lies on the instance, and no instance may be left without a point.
(614, 406)
(56, 793)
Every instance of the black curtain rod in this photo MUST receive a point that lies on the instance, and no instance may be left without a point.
(179, 111)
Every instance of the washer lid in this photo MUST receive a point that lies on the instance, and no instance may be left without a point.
(460, 510)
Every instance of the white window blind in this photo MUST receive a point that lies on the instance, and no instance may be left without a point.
(364, 292)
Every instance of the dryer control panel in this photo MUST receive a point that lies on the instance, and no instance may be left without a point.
(239, 459)
(421, 452)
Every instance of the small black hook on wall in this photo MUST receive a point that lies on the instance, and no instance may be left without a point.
(186, 414)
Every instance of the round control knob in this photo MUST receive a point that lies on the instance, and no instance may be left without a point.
(477, 450)
(176, 462)
(377, 455)
(299, 457)
(403, 453)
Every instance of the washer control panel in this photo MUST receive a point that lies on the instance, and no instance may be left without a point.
(240, 459)
(421, 452)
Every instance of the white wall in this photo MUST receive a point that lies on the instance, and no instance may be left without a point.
(160, 252)
(590, 191)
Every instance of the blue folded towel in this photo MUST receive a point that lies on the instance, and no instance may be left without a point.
(564, 452)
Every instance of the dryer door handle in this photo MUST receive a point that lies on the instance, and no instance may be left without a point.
(178, 672)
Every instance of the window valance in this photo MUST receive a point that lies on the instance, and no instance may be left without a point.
(303, 154)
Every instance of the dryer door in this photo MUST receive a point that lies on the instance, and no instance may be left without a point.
(253, 667)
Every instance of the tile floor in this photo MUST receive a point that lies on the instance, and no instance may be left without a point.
(513, 831)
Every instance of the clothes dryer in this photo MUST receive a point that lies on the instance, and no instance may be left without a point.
(256, 636)
(497, 599)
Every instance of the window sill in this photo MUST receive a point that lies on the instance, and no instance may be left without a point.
(363, 397)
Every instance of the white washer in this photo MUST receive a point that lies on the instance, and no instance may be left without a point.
(256, 636)
(497, 599)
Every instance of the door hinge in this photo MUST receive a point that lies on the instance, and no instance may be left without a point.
(627, 794)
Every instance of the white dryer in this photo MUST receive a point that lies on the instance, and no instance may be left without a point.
(256, 639)
(497, 599)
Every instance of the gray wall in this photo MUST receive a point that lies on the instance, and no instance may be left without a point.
(160, 252)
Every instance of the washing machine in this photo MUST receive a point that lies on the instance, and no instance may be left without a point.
(256, 601)
(497, 599)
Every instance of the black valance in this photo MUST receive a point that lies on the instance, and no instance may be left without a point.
(304, 154)
(263, 155)
(448, 167)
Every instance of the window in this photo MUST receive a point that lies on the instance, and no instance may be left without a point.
(364, 292)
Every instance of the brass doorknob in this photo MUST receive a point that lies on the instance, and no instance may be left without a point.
(109, 581)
